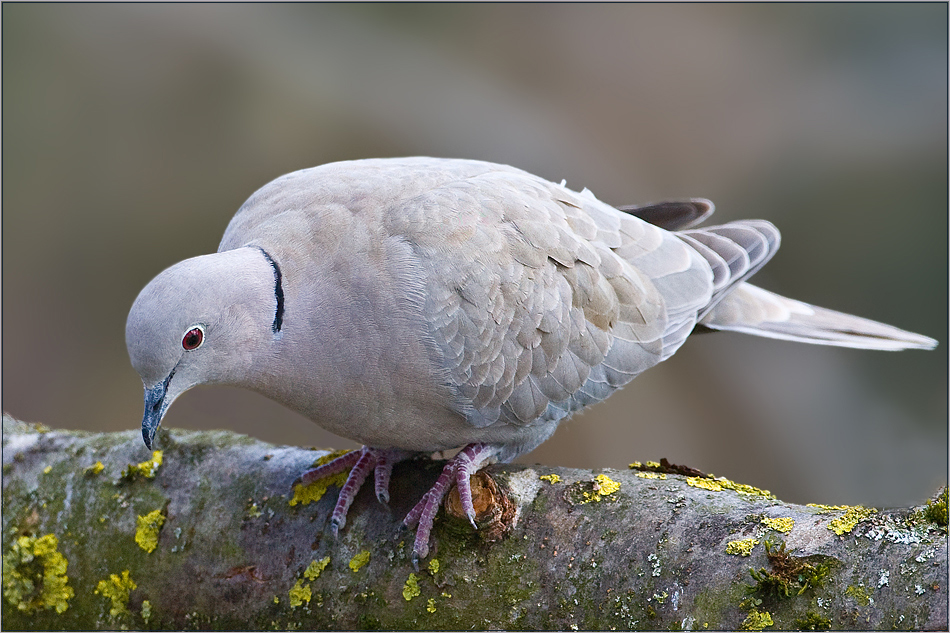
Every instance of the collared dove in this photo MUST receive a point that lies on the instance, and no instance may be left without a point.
(419, 304)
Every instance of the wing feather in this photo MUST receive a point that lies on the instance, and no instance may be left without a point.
(544, 300)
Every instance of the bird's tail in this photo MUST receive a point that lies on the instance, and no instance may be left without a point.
(749, 309)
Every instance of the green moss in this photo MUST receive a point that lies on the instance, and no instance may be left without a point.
(314, 491)
(465, 569)
(788, 575)
(756, 621)
(710, 606)
(34, 575)
(147, 469)
(146, 534)
(813, 622)
(117, 589)
(936, 511)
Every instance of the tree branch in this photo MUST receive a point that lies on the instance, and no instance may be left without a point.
(206, 537)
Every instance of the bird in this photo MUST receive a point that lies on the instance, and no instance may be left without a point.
(417, 305)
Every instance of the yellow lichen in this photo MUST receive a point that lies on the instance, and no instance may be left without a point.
(276, 599)
(782, 524)
(146, 610)
(742, 547)
(117, 589)
(653, 464)
(721, 483)
(603, 487)
(651, 475)
(314, 491)
(254, 512)
(47, 470)
(852, 516)
(552, 478)
(846, 522)
(702, 482)
(34, 575)
(315, 567)
(146, 535)
(823, 509)
(744, 488)
(430, 607)
(95, 469)
(147, 469)
(434, 566)
(411, 589)
(357, 562)
(299, 594)
(756, 621)
(635, 465)
(860, 594)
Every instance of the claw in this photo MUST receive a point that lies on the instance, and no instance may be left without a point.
(384, 469)
(360, 463)
(458, 469)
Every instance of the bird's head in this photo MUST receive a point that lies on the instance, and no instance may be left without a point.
(201, 321)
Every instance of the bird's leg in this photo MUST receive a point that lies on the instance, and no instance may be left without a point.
(458, 469)
(332, 467)
(470, 459)
(385, 460)
(365, 463)
(361, 462)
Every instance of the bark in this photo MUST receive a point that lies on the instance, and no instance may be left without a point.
(208, 539)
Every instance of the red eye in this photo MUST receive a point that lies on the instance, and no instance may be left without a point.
(192, 339)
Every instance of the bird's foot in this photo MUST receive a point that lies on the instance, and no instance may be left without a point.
(458, 469)
(361, 462)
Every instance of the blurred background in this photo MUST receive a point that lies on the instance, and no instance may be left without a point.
(132, 133)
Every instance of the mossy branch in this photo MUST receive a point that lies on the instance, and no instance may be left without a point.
(206, 535)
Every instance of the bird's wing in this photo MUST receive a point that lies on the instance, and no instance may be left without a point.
(672, 215)
(543, 300)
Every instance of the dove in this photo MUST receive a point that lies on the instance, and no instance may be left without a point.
(418, 305)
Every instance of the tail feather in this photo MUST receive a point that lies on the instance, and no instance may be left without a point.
(752, 310)
(735, 251)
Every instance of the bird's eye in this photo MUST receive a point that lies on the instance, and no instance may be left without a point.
(193, 338)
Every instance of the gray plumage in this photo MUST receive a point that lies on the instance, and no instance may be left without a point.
(425, 304)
